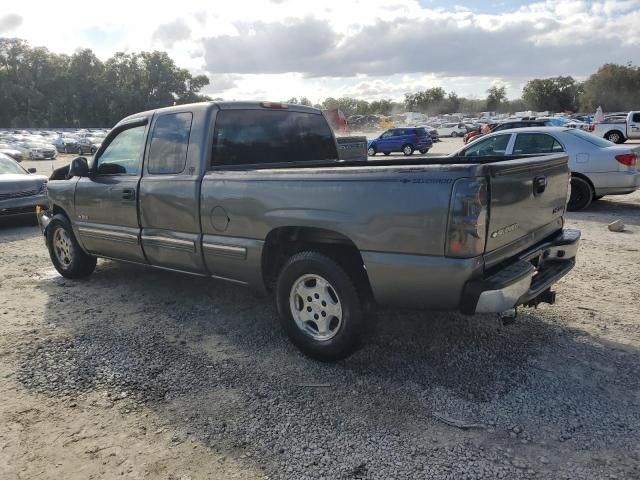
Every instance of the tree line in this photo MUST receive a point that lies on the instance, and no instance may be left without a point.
(39, 88)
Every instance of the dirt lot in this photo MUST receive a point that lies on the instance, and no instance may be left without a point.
(144, 374)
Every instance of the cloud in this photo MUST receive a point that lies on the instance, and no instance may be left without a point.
(539, 40)
(10, 22)
(260, 47)
(222, 82)
(170, 33)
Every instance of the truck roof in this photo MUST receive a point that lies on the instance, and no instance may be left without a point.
(229, 105)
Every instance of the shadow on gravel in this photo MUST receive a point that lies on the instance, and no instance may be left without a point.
(610, 208)
(210, 359)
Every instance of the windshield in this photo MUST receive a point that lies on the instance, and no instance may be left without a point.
(8, 166)
(589, 137)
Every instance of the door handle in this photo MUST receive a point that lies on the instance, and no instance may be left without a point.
(539, 185)
(128, 194)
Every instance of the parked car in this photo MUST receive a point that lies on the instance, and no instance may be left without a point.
(598, 167)
(20, 190)
(405, 140)
(452, 130)
(16, 154)
(433, 133)
(510, 124)
(39, 151)
(619, 129)
(88, 145)
(65, 144)
(255, 193)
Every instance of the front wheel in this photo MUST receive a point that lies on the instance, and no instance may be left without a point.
(424, 150)
(454, 134)
(407, 149)
(66, 255)
(581, 194)
(319, 307)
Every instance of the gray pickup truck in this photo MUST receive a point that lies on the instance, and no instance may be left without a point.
(256, 194)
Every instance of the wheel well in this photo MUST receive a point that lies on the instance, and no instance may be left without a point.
(615, 130)
(59, 211)
(586, 179)
(281, 243)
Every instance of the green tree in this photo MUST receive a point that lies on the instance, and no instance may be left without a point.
(557, 94)
(613, 87)
(495, 98)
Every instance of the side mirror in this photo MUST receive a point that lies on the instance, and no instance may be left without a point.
(79, 167)
(32, 170)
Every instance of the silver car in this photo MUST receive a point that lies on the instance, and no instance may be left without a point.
(20, 190)
(598, 166)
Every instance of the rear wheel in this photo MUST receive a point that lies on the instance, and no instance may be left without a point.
(424, 150)
(454, 134)
(407, 149)
(615, 136)
(371, 151)
(66, 255)
(319, 307)
(581, 194)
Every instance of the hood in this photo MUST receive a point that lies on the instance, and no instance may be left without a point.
(16, 183)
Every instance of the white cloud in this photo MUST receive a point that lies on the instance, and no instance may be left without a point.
(368, 48)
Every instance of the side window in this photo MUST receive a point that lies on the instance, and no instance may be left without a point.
(169, 143)
(122, 155)
(536, 143)
(489, 146)
(244, 137)
(635, 117)
(387, 134)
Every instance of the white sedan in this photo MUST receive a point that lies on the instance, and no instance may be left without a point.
(451, 130)
(598, 166)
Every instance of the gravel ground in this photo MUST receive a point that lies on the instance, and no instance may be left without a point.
(148, 374)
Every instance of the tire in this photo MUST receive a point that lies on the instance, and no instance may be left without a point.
(598, 197)
(615, 136)
(424, 150)
(581, 194)
(454, 134)
(65, 149)
(334, 338)
(407, 149)
(371, 151)
(93, 150)
(66, 255)
(386, 154)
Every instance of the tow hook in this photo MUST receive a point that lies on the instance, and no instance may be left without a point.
(508, 317)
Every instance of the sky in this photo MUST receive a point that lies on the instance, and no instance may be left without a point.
(369, 49)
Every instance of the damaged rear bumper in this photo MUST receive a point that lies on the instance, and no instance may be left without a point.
(526, 280)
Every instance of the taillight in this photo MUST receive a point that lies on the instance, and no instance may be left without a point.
(467, 230)
(628, 159)
(276, 105)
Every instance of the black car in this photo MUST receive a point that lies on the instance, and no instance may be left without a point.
(520, 124)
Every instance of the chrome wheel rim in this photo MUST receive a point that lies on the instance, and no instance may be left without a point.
(407, 150)
(371, 151)
(614, 137)
(62, 247)
(315, 307)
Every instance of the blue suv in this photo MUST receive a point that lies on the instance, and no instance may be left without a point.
(405, 140)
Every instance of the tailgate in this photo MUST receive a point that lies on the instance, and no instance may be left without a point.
(528, 197)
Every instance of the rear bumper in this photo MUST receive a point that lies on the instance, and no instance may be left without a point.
(525, 279)
(616, 183)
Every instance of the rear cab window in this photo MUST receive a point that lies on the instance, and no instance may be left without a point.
(262, 137)
(169, 143)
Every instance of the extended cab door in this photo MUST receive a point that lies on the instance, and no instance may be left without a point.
(106, 201)
(633, 125)
(170, 192)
